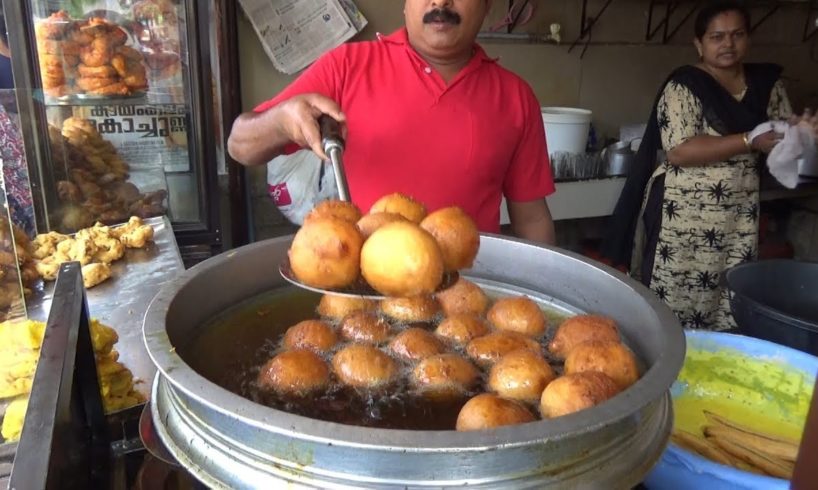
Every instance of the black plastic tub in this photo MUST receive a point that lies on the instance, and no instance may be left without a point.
(776, 300)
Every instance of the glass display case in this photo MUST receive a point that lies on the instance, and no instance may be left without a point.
(122, 111)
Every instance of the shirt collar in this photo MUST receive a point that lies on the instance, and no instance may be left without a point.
(401, 38)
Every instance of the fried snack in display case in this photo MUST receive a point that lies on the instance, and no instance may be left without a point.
(92, 180)
(87, 57)
(17, 273)
(124, 106)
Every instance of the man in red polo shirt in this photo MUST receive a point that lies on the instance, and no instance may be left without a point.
(426, 113)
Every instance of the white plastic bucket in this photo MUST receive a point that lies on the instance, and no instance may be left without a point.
(566, 128)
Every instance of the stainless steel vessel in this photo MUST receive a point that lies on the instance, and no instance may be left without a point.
(231, 442)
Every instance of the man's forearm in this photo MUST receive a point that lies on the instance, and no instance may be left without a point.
(255, 138)
(541, 231)
(532, 221)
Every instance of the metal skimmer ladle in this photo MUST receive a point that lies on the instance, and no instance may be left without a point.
(333, 146)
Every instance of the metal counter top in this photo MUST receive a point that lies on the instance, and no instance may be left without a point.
(121, 301)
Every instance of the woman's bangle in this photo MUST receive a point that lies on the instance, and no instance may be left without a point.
(746, 138)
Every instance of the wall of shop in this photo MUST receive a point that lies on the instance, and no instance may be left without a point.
(617, 77)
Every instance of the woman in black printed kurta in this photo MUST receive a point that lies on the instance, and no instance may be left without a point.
(699, 213)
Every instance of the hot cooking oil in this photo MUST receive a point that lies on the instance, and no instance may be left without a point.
(233, 347)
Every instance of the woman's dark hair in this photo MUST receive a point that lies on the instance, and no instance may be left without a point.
(712, 9)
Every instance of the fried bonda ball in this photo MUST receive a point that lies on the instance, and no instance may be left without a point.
(487, 411)
(457, 235)
(402, 260)
(607, 357)
(488, 349)
(415, 343)
(314, 335)
(463, 296)
(444, 376)
(364, 366)
(400, 204)
(364, 327)
(326, 252)
(519, 314)
(337, 307)
(574, 392)
(521, 375)
(410, 310)
(371, 222)
(334, 208)
(579, 329)
(295, 372)
(461, 329)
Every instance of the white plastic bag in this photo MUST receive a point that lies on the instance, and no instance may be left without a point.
(296, 183)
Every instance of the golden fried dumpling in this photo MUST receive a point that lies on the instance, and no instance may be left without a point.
(518, 314)
(488, 349)
(461, 329)
(410, 310)
(463, 296)
(334, 208)
(445, 375)
(579, 329)
(326, 252)
(415, 343)
(371, 222)
(607, 357)
(520, 375)
(364, 327)
(488, 411)
(314, 335)
(336, 307)
(403, 260)
(574, 392)
(457, 235)
(95, 273)
(295, 372)
(364, 366)
(401, 204)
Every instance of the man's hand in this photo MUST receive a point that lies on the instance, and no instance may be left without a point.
(257, 138)
(297, 118)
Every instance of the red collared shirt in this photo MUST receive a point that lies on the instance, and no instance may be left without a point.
(467, 143)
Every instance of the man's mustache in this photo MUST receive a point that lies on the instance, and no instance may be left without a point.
(441, 15)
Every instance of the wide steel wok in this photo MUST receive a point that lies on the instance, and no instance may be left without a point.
(228, 441)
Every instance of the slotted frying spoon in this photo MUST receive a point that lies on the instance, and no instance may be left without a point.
(333, 146)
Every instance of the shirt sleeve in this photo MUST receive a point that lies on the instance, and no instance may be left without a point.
(529, 175)
(679, 115)
(324, 77)
(779, 107)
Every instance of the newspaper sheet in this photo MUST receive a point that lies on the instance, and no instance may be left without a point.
(295, 33)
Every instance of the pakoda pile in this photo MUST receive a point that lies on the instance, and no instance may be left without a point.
(95, 248)
(87, 57)
(20, 344)
(398, 249)
(91, 179)
(495, 361)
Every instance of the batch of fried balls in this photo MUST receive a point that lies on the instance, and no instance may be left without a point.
(396, 248)
(455, 343)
